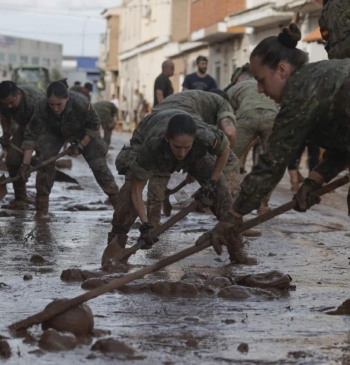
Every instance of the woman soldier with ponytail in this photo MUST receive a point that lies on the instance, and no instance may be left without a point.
(315, 106)
(65, 115)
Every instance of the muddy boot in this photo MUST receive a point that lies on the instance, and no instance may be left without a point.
(116, 243)
(21, 200)
(42, 207)
(237, 252)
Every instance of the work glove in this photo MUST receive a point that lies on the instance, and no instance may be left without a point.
(5, 140)
(75, 149)
(223, 234)
(206, 195)
(145, 230)
(305, 196)
(24, 172)
(35, 160)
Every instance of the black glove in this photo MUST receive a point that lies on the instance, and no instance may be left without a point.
(75, 149)
(145, 230)
(305, 196)
(35, 160)
(223, 234)
(206, 195)
(5, 140)
(23, 172)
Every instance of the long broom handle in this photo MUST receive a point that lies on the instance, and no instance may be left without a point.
(71, 303)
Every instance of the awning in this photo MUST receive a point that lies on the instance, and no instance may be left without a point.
(258, 16)
(314, 36)
(217, 32)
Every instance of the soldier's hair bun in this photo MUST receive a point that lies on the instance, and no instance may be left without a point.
(64, 82)
(289, 37)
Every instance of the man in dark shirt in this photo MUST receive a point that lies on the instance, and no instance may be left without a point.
(163, 86)
(199, 80)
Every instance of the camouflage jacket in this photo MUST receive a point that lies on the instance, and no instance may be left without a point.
(334, 23)
(210, 108)
(107, 111)
(78, 118)
(154, 153)
(314, 107)
(244, 97)
(31, 95)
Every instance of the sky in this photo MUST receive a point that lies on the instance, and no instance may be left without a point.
(76, 24)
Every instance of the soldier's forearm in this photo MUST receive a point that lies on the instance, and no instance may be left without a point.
(229, 129)
(220, 163)
(136, 196)
(85, 141)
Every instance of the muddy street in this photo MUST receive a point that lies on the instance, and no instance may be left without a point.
(185, 313)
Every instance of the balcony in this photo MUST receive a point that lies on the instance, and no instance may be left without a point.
(215, 33)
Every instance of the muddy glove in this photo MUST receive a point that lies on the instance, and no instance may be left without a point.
(5, 140)
(206, 195)
(305, 196)
(35, 160)
(75, 149)
(223, 234)
(145, 236)
(23, 172)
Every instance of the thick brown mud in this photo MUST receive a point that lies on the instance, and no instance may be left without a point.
(192, 312)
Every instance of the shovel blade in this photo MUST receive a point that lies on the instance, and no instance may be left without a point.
(3, 188)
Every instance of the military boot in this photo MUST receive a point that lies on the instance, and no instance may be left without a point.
(21, 200)
(264, 205)
(238, 254)
(42, 207)
(116, 243)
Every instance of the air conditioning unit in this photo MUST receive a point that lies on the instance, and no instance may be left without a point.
(146, 11)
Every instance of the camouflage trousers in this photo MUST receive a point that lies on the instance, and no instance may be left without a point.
(94, 153)
(253, 124)
(107, 135)
(13, 162)
(125, 214)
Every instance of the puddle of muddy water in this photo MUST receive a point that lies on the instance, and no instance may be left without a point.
(291, 329)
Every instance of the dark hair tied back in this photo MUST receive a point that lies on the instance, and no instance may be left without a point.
(289, 37)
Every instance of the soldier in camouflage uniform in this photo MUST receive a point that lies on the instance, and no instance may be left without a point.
(169, 140)
(65, 115)
(255, 114)
(314, 101)
(108, 113)
(335, 28)
(16, 104)
(211, 109)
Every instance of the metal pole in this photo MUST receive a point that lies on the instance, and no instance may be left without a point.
(83, 35)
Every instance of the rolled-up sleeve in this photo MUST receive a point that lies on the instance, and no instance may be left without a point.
(225, 111)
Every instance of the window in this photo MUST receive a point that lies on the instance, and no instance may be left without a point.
(46, 62)
(35, 61)
(24, 60)
(2, 56)
(12, 58)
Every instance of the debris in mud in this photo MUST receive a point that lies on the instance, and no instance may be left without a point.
(192, 343)
(77, 275)
(273, 279)
(53, 341)
(27, 277)
(115, 348)
(193, 319)
(37, 260)
(176, 288)
(228, 321)
(84, 208)
(75, 187)
(297, 354)
(237, 292)
(96, 332)
(93, 283)
(137, 288)
(5, 349)
(243, 347)
(3, 285)
(64, 164)
(78, 320)
(343, 309)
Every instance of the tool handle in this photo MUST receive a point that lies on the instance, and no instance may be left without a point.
(176, 189)
(37, 167)
(71, 303)
(290, 205)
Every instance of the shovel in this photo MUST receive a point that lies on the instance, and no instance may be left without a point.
(122, 254)
(62, 307)
(4, 181)
(60, 176)
(167, 207)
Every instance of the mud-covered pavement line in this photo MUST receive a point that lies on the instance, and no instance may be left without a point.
(313, 248)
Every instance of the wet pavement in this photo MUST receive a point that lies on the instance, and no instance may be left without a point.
(313, 248)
